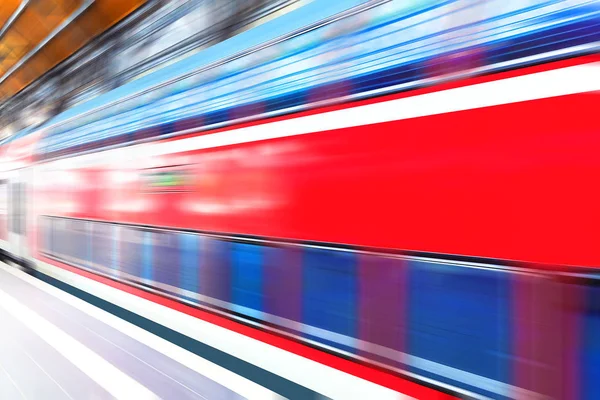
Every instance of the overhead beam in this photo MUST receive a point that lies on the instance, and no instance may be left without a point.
(84, 6)
(13, 17)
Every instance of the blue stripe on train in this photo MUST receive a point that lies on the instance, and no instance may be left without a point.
(190, 261)
(60, 237)
(147, 257)
(165, 258)
(49, 233)
(247, 293)
(78, 241)
(115, 231)
(102, 245)
(215, 271)
(459, 317)
(330, 292)
(89, 244)
(590, 350)
(131, 251)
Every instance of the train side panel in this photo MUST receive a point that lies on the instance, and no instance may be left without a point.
(508, 181)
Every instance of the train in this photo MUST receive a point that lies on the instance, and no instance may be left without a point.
(411, 187)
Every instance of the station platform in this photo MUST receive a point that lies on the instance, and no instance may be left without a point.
(56, 346)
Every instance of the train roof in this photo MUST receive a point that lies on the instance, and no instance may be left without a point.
(307, 14)
(312, 11)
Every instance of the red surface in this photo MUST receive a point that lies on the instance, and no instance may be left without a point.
(359, 370)
(509, 182)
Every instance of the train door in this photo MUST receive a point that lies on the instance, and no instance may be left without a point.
(17, 213)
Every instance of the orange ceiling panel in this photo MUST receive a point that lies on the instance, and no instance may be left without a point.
(116, 9)
(7, 8)
(38, 20)
(10, 86)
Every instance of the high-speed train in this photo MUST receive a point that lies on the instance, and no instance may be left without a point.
(411, 186)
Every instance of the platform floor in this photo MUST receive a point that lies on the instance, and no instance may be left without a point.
(55, 346)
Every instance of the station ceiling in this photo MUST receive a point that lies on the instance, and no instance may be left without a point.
(36, 35)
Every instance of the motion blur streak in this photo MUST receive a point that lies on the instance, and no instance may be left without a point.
(363, 199)
(242, 386)
(114, 381)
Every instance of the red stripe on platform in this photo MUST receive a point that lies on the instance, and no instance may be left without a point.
(358, 370)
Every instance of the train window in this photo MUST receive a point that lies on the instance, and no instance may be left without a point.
(330, 294)
(60, 237)
(3, 197)
(382, 304)
(247, 278)
(102, 247)
(115, 255)
(165, 258)
(17, 203)
(283, 282)
(43, 234)
(189, 247)
(215, 271)
(131, 252)
(591, 352)
(47, 230)
(3, 210)
(79, 241)
(447, 305)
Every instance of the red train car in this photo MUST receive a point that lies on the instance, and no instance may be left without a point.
(495, 167)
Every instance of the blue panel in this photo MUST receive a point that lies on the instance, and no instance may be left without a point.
(116, 231)
(188, 246)
(215, 271)
(147, 257)
(53, 232)
(79, 241)
(62, 238)
(89, 244)
(247, 278)
(165, 258)
(57, 233)
(131, 251)
(330, 291)
(590, 356)
(43, 234)
(48, 234)
(459, 317)
(102, 246)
